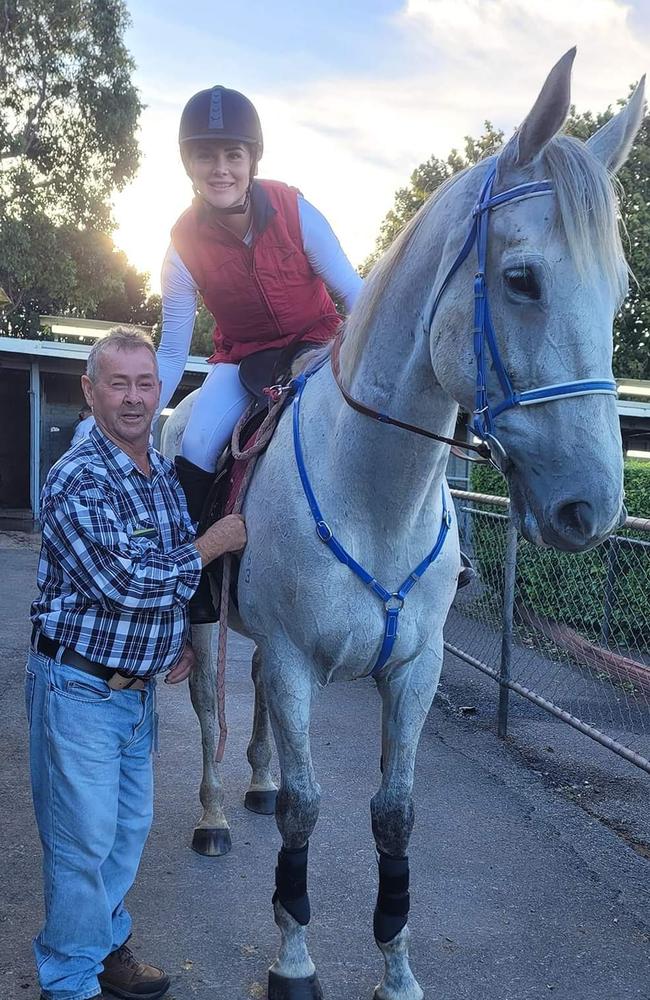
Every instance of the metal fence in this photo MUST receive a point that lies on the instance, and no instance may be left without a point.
(570, 632)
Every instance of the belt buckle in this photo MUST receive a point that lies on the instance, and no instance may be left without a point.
(123, 682)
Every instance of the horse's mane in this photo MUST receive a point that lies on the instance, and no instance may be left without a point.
(588, 209)
(588, 215)
(309, 358)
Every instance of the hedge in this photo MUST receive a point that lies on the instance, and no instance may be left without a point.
(636, 481)
(571, 588)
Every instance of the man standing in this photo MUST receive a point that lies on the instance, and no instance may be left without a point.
(119, 563)
(84, 425)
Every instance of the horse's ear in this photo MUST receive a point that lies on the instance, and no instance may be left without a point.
(612, 143)
(545, 118)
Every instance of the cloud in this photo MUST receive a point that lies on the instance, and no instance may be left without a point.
(490, 46)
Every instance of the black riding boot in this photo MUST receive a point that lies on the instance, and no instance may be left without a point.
(467, 571)
(196, 483)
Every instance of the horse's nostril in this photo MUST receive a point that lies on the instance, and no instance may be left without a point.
(576, 518)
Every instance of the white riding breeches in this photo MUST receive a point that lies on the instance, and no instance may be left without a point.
(220, 403)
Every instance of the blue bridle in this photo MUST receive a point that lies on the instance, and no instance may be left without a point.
(484, 413)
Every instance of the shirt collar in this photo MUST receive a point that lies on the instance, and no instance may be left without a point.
(119, 462)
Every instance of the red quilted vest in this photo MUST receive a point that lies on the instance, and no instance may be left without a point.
(265, 295)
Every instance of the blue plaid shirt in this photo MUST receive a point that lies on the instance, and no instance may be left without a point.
(118, 564)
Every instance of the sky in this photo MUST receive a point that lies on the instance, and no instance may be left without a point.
(354, 94)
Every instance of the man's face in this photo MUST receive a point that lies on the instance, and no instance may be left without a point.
(124, 396)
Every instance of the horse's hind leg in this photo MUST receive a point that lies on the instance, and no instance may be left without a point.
(212, 833)
(288, 686)
(406, 695)
(262, 791)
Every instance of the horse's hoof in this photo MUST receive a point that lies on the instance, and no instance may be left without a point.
(212, 842)
(261, 801)
(283, 988)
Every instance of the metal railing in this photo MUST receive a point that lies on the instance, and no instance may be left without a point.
(569, 632)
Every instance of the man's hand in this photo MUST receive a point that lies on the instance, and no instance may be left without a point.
(183, 667)
(227, 535)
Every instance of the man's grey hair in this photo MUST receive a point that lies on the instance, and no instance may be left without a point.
(123, 338)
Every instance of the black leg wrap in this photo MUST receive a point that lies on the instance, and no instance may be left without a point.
(291, 883)
(393, 900)
(281, 988)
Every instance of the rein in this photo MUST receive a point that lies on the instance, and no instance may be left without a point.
(383, 418)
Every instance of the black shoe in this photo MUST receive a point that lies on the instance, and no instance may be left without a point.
(467, 572)
(196, 483)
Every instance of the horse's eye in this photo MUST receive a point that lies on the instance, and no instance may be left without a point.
(523, 284)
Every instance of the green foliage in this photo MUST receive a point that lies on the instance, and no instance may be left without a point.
(485, 479)
(68, 109)
(202, 344)
(636, 481)
(68, 117)
(571, 588)
(90, 279)
(637, 488)
(632, 325)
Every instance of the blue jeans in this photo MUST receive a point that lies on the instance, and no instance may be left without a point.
(92, 782)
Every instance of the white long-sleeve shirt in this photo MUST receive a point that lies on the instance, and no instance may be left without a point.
(180, 291)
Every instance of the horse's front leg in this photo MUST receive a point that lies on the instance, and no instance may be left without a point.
(406, 693)
(262, 791)
(212, 833)
(288, 687)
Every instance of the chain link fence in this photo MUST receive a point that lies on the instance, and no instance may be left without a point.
(571, 632)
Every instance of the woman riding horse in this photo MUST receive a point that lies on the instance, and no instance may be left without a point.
(261, 256)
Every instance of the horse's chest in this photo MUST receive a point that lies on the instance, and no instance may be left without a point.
(327, 612)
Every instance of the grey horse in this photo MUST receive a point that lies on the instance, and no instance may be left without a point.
(555, 275)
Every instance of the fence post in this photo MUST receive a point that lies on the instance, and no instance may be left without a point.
(610, 589)
(509, 577)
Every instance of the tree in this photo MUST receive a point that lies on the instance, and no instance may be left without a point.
(89, 278)
(202, 344)
(632, 325)
(68, 115)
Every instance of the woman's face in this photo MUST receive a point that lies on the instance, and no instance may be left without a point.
(220, 170)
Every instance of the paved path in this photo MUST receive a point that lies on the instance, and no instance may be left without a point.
(518, 891)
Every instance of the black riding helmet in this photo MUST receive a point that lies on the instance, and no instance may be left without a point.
(220, 113)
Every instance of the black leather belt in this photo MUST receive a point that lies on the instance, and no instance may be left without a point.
(116, 679)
